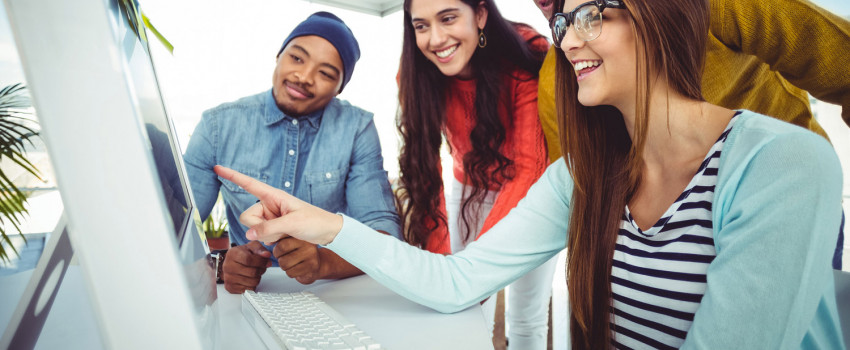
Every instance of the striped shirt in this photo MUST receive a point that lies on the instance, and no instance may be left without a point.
(658, 275)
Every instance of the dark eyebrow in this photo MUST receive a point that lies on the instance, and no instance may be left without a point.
(296, 46)
(451, 9)
(330, 66)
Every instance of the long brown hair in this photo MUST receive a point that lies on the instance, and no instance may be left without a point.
(605, 163)
(422, 122)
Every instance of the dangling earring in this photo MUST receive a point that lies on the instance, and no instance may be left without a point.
(482, 40)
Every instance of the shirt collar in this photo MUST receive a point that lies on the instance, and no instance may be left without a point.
(274, 114)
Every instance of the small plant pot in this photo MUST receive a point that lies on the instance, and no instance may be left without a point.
(219, 243)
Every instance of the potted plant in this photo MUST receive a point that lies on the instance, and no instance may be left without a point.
(215, 227)
(16, 130)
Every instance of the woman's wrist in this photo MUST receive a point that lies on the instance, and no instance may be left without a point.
(335, 226)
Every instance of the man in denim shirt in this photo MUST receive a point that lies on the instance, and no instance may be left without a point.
(300, 138)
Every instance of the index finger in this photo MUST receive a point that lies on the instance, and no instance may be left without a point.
(253, 186)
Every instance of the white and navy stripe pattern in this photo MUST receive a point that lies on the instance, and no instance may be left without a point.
(658, 275)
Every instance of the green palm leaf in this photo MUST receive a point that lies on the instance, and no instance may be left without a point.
(157, 34)
(16, 130)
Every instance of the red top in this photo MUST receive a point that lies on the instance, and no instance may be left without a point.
(524, 143)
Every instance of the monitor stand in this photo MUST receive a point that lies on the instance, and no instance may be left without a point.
(28, 319)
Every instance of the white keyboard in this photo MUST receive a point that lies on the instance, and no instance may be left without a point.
(301, 321)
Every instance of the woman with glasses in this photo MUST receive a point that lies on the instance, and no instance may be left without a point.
(687, 225)
(767, 57)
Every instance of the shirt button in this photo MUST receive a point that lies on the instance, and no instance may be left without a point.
(294, 121)
(286, 184)
(328, 175)
(292, 152)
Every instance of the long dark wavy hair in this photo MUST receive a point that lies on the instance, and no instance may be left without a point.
(422, 122)
(605, 162)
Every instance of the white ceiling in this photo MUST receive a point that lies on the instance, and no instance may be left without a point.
(373, 7)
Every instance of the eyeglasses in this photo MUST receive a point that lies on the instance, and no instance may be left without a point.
(587, 18)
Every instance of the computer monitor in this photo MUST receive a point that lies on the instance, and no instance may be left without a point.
(128, 205)
(159, 131)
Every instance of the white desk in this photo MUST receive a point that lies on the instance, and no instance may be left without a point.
(394, 321)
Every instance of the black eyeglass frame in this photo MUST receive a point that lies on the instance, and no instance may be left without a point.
(570, 16)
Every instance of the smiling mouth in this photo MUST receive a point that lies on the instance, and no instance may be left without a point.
(447, 52)
(583, 68)
(296, 91)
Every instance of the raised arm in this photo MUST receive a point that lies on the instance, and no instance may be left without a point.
(445, 283)
(806, 44)
(450, 283)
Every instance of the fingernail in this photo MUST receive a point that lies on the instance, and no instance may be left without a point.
(251, 234)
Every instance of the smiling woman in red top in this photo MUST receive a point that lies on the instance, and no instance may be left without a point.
(470, 75)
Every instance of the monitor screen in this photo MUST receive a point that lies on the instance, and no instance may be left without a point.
(160, 132)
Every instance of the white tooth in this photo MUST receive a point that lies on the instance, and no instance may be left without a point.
(445, 53)
(586, 64)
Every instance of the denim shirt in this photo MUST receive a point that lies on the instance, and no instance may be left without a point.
(331, 159)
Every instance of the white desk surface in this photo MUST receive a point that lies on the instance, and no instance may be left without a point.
(392, 320)
(395, 322)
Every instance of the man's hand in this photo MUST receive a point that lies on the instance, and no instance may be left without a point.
(243, 267)
(299, 259)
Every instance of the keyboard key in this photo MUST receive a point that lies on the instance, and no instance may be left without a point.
(370, 344)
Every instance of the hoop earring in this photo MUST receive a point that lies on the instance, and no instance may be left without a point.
(482, 40)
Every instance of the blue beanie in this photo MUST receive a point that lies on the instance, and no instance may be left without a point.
(334, 30)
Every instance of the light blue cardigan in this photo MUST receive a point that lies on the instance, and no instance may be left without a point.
(776, 214)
